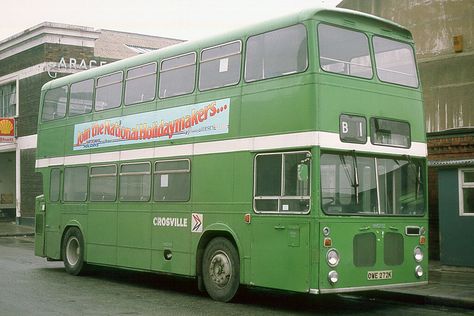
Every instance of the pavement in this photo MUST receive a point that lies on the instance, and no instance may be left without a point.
(447, 285)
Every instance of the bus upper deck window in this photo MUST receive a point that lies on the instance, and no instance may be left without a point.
(54, 105)
(220, 66)
(177, 75)
(108, 93)
(140, 84)
(344, 51)
(81, 97)
(276, 53)
(395, 62)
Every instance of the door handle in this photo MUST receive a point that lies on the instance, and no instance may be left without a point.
(279, 227)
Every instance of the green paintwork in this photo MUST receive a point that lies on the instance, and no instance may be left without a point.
(276, 251)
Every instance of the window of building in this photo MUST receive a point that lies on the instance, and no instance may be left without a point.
(282, 182)
(54, 185)
(80, 100)
(108, 92)
(75, 184)
(177, 75)
(395, 62)
(172, 180)
(54, 105)
(103, 183)
(135, 182)
(140, 84)
(8, 100)
(344, 51)
(220, 66)
(466, 192)
(276, 53)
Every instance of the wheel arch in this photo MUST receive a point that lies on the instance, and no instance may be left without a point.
(70, 224)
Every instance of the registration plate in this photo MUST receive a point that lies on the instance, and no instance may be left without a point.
(379, 275)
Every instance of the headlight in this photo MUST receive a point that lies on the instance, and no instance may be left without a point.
(333, 277)
(418, 254)
(419, 271)
(332, 257)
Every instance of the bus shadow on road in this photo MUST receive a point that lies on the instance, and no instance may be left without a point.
(267, 299)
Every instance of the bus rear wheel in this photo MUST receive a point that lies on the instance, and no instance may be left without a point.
(73, 251)
(221, 269)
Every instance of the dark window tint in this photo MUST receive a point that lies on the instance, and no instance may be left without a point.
(177, 75)
(75, 184)
(140, 85)
(172, 180)
(344, 51)
(108, 93)
(220, 66)
(80, 101)
(54, 105)
(276, 53)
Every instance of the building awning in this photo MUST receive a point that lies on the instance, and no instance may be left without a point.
(450, 163)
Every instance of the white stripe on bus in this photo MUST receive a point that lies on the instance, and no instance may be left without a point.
(325, 140)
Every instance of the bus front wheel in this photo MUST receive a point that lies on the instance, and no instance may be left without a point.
(73, 251)
(221, 269)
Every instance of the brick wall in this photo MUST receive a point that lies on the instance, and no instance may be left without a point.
(29, 95)
(452, 147)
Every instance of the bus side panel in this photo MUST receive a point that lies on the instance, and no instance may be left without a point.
(280, 252)
(102, 233)
(134, 235)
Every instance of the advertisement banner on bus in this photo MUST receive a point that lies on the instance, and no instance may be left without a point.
(201, 119)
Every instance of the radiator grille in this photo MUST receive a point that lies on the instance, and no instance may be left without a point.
(393, 252)
(364, 250)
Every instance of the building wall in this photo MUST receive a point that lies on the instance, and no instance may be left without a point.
(455, 230)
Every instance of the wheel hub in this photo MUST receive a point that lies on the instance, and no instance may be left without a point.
(220, 269)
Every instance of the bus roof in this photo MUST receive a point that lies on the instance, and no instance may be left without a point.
(343, 16)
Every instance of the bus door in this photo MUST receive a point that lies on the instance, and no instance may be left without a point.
(52, 214)
(280, 249)
(134, 216)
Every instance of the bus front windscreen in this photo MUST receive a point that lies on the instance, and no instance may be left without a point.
(359, 185)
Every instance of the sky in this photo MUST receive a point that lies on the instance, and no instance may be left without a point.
(182, 19)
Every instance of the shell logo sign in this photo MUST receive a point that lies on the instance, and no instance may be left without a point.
(7, 130)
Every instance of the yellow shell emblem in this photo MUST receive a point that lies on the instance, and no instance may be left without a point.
(6, 127)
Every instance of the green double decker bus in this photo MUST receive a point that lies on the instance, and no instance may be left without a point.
(288, 155)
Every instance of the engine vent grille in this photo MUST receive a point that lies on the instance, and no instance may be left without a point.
(393, 252)
(364, 250)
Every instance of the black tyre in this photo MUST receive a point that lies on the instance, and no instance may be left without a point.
(221, 269)
(73, 251)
